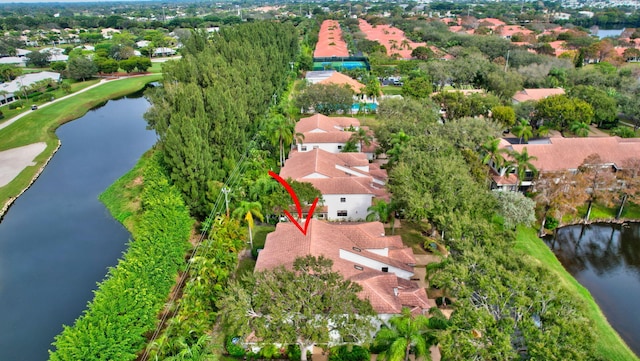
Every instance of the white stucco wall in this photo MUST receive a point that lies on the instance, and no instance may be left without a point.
(329, 147)
(355, 204)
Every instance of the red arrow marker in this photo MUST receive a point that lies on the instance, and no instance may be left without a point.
(293, 195)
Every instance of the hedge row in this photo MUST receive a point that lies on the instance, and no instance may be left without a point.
(127, 303)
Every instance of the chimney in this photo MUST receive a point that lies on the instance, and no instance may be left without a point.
(395, 291)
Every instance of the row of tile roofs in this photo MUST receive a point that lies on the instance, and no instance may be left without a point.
(330, 42)
(392, 38)
(561, 154)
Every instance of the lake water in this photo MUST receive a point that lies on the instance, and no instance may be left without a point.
(602, 33)
(606, 260)
(57, 239)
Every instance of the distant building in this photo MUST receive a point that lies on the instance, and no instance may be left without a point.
(10, 89)
(536, 94)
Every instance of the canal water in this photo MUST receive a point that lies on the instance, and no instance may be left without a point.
(57, 240)
(605, 258)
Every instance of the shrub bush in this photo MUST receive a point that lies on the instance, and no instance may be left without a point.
(349, 353)
(233, 345)
(551, 223)
(16, 104)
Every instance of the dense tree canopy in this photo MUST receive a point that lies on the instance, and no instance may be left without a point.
(301, 306)
(213, 99)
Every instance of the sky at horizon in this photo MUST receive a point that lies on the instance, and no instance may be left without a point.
(63, 1)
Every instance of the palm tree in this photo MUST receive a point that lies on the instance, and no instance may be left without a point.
(382, 211)
(361, 136)
(406, 333)
(493, 153)
(523, 164)
(350, 147)
(523, 130)
(280, 133)
(580, 129)
(199, 351)
(246, 211)
(542, 131)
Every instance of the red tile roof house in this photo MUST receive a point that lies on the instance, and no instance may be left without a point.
(362, 253)
(347, 181)
(567, 154)
(330, 134)
(535, 94)
(334, 77)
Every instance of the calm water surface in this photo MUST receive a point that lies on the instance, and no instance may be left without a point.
(606, 260)
(57, 240)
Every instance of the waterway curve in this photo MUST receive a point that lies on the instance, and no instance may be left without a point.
(58, 240)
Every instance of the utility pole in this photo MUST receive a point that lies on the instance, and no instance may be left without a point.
(506, 63)
(226, 191)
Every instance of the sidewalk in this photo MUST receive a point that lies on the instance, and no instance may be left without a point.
(14, 119)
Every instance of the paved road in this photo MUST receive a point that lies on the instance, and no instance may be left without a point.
(12, 120)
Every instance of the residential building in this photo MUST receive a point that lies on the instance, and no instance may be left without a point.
(10, 89)
(558, 154)
(347, 181)
(330, 134)
(535, 94)
(360, 252)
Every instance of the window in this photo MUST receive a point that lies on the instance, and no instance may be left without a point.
(342, 213)
(303, 148)
(343, 199)
(359, 268)
(385, 269)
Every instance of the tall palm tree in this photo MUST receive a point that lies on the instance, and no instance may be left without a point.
(523, 164)
(523, 130)
(406, 333)
(579, 128)
(280, 133)
(361, 136)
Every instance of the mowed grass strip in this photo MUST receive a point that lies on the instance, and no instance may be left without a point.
(608, 343)
(40, 125)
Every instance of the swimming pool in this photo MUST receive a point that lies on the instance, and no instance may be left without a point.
(339, 65)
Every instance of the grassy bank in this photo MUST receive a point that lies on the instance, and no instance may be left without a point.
(40, 125)
(608, 343)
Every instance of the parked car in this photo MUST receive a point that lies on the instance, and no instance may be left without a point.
(34, 107)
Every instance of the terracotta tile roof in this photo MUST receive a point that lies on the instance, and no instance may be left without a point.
(568, 153)
(319, 122)
(390, 37)
(510, 30)
(335, 173)
(303, 164)
(331, 137)
(341, 79)
(506, 180)
(493, 22)
(536, 94)
(330, 42)
(353, 185)
(287, 243)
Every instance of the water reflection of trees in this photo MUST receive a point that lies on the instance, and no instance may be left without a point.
(602, 248)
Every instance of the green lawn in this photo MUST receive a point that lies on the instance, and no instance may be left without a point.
(411, 236)
(608, 344)
(391, 90)
(600, 212)
(40, 125)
